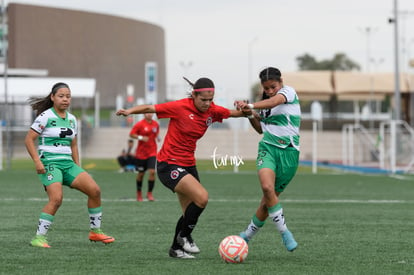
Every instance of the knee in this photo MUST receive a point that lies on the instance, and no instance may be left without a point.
(202, 200)
(95, 192)
(268, 189)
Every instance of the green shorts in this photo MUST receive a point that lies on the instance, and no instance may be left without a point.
(284, 161)
(64, 171)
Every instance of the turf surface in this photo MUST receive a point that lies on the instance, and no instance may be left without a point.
(344, 224)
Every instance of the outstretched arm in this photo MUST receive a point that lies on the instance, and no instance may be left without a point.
(253, 117)
(139, 109)
(263, 104)
(237, 113)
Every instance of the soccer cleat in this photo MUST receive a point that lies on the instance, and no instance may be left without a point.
(40, 241)
(139, 196)
(188, 244)
(289, 241)
(150, 197)
(179, 253)
(96, 235)
(244, 236)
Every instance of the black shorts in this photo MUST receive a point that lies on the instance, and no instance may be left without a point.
(144, 164)
(171, 174)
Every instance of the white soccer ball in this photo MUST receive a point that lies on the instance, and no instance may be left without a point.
(233, 249)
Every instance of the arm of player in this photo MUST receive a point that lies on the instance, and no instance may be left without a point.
(31, 149)
(253, 117)
(237, 113)
(139, 109)
(254, 120)
(75, 151)
(139, 137)
(267, 103)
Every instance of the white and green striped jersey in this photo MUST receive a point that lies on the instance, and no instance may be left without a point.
(55, 135)
(281, 124)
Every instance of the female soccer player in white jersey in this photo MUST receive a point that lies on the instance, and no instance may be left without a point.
(278, 152)
(57, 162)
(176, 164)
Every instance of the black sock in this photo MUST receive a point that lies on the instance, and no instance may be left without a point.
(151, 185)
(139, 185)
(175, 245)
(190, 219)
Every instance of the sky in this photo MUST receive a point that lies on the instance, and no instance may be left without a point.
(230, 41)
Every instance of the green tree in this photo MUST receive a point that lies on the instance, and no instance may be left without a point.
(340, 62)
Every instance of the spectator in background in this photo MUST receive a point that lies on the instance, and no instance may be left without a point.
(127, 160)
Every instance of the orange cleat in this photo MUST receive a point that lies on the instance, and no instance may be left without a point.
(96, 235)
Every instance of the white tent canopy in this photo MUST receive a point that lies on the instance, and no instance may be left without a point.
(19, 89)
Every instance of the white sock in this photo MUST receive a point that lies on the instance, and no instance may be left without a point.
(253, 227)
(251, 230)
(95, 220)
(43, 227)
(279, 220)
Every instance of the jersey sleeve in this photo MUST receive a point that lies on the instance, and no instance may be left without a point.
(73, 120)
(167, 109)
(221, 113)
(134, 129)
(288, 93)
(39, 123)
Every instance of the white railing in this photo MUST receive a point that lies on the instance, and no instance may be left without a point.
(393, 149)
(367, 145)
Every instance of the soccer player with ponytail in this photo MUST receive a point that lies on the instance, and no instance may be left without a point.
(57, 162)
(278, 153)
(176, 164)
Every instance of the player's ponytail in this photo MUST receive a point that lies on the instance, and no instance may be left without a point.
(201, 85)
(41, 104)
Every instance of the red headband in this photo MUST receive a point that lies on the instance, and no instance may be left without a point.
(203, 90)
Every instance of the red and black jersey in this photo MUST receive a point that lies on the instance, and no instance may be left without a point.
(146, 149)
(187, 125)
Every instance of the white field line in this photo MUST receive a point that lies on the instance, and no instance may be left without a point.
(333, 201)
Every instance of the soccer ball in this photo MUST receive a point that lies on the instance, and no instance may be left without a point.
(233, 249)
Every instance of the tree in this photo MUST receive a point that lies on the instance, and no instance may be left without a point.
(340, 62)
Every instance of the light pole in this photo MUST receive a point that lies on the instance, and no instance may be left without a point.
(376, 63)
(367, 31)
(397, 95)
(4, 41)
(250, 62)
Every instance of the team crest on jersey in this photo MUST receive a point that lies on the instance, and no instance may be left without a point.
(72, 124)
(49, 177)
(209, 121)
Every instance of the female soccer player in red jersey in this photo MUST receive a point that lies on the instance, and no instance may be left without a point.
(176, 164)
(146, 132)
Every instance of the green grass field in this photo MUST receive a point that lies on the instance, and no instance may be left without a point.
(344, 224)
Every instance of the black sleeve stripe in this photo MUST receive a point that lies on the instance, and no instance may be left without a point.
(35, 130)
